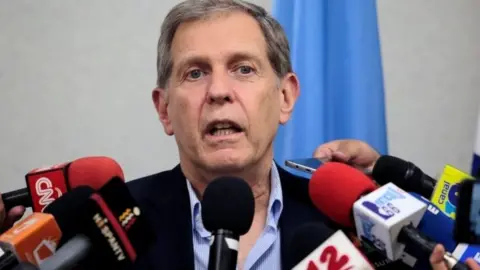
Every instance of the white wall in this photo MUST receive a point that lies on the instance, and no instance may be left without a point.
(431, 56)
(76, 77)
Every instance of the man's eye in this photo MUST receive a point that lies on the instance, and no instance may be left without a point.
(245, 70)
(194, 74)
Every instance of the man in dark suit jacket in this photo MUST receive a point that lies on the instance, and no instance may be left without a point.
(225, 83)
(164, 199)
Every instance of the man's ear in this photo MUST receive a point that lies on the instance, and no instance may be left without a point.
(289, 92)
(160, 100)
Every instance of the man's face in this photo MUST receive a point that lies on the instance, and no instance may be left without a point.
(223, 101)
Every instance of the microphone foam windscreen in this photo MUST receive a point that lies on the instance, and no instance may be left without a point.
(404, 174)
(228, 204)
(306, 239)
(462, 232)
(334, 188)
(93, 172)
(66, 207)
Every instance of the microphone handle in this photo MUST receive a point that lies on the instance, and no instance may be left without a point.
(25, 266)
(223, 251)
(410, 236)
(15, 198)
(8, 260)
(69, 255)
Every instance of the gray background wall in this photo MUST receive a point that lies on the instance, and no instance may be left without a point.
(76, 76)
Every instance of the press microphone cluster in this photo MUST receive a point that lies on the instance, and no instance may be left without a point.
(98, 209)
(44, 185)
(386, 217)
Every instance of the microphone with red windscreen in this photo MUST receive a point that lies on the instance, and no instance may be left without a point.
(44, 185)
(384, 217)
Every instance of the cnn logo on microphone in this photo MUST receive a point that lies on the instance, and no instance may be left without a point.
(46, 186)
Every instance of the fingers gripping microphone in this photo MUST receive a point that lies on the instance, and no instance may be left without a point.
(227, 211)
(404, 174)
(44, 185)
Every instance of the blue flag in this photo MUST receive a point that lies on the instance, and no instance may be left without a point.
(335, 51)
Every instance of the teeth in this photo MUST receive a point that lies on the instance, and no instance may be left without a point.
(223, 132)
(222, 125)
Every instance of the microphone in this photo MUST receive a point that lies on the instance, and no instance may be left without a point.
(124, 207)
(69, 255)
(227, 212)
(429, 224)
(467, 223)
(32, 240)
(385, 217)
(315, 246)
(85, 212)
(445, 193)
(26, 266)
(404, 174)
(44, 185)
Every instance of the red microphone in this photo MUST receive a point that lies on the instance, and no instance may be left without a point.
(44, 185)
(342, 182)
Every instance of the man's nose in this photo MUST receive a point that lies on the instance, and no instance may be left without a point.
(220, 90)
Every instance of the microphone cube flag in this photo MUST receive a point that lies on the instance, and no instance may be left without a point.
(445, 193)
(380, 215)
(336, 253)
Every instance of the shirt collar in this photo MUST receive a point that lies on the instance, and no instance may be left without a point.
(275, 204)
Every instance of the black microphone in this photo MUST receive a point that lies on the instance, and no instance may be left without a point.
(306, 239)
(404, 174)
(467, 221)
(227, 212)
(89, 215)
(25, 266)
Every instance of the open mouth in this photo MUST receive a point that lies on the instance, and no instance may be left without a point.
(223, 128)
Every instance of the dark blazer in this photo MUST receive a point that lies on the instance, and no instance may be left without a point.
(164, 199)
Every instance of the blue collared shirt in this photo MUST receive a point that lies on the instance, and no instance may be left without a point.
(265, 254)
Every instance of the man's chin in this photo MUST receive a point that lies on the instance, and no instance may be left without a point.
(228, 165)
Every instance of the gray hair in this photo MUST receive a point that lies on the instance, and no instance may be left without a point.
(278, 50)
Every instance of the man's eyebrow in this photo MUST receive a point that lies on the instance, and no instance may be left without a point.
(191, 61)
(202, 61)
(242, 56)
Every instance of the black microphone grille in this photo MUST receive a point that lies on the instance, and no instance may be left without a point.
(67, 207)
(228, 204)
(306, 239)
(462, 232)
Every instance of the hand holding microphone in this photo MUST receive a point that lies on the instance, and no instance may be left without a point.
(9, 216)
(438, 263)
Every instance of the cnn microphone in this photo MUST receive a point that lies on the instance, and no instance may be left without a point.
(386, 217)
(227, 212)
(404, 174)
(44, 185)
(315, 246)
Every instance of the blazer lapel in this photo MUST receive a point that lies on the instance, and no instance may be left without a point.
(170, 213)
